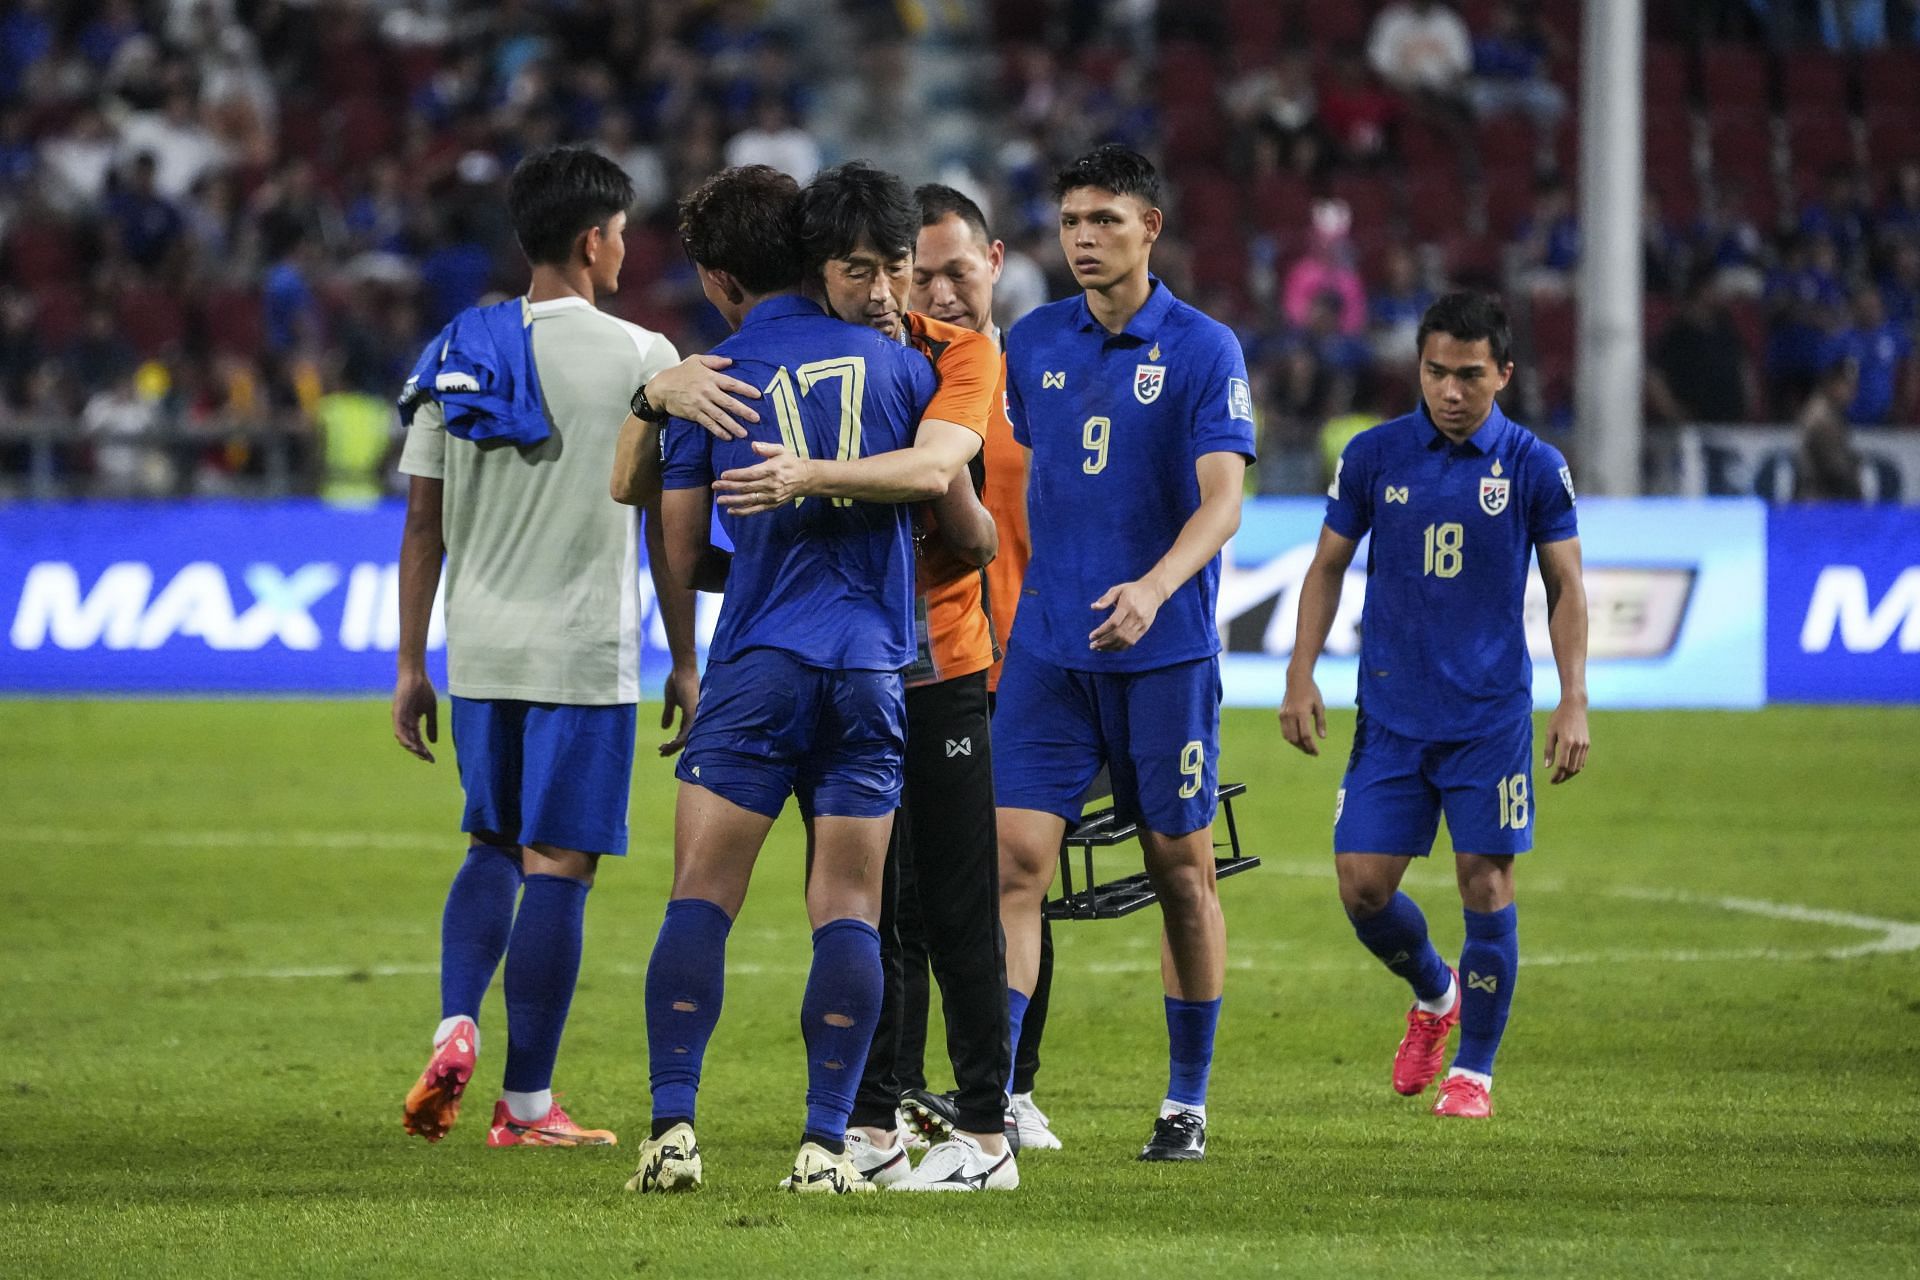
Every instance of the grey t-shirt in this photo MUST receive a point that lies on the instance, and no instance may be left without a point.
(542, 574)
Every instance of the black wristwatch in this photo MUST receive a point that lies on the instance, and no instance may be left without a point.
(644, 409)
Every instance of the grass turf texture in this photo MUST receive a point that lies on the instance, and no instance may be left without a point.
(1686, 1089)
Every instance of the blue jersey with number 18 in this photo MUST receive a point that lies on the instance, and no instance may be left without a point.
(1443, 640)
(1116, 422)
(830, 581)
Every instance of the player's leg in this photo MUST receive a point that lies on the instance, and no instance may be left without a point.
(955, 856)
(1165, 725)
(577, 770)
(735, 774)
(1046, 750)
(1487, 786)
(874, 1140)
(851, 784)
(1385, 814)
(478, 916)
(1030, 1126)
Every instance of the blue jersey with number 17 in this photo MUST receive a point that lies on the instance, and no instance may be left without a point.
(829, 581)
(1443, 638)
(1116, 422)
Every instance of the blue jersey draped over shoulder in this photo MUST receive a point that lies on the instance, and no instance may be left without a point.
(1443, 643)
(830, 582)
(1116, 422)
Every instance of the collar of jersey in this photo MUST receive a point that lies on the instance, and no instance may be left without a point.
(1484, 441)
(552, 305)
(1145, 322)
(779, 307)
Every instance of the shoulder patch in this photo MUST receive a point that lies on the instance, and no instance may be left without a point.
(1566, 478)
(1239, 399)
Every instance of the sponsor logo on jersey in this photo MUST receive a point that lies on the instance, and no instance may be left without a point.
(1053, 381)
(1566, 478)
(1397, 494)
(1148, 381)
(1239, 399)
(1494, 491)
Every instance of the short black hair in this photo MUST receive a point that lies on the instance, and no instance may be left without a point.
(1111, 167)
(938, 201)
(556, 193)
(742, 221)
(852, 202)
(1470, 316)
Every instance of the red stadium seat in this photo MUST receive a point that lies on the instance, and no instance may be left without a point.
(1506, 135)
(363, 129)
(1257, 25)
(1734, 77)
(234, 322)
(1369, 197)
(152, 318)
(1335, 24)
(59, 312)
(1890, 81)
(1194, 137)
(1210, 201)
(1742, 144)
(1219, 261)
(1510, 198)
(1819, 138)
(1667, 75)
(1472, 261)
(1892, 137)
(1283, 205)
(1187, 75)
(1434, 208)
(40, 251)
(1814, 79)
(1554, 339)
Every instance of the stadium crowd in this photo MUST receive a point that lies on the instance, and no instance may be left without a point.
(216, 214)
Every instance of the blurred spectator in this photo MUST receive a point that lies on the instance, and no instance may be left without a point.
(1828, 466)
(78, 160)
(26, 37)
(1843, 213)
(1899, 216)
(1510, 72)
(456, 273)
(1664, 253)
(773, 139)
(1548, 242)
(1295, 393)
(147, 224)
(1804, 299)
(99, 356)
(182, 147)
(119, 420)
(292, 308)
(1852, 24)
(640, 161)
(1393, 318)
(1726, 239)
(1881, 353)
(17, 158)
(21, 350)
(117, 22)
(1023, 281)
(1900, 287)
(1326, 268)
(1422, 49)
(1275, 111)
(1699, 369)
(1357, 114)
(1343, 354)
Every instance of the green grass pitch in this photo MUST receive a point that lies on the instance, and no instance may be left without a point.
(219, 949)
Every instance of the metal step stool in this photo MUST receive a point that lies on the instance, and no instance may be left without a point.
(1127, 895)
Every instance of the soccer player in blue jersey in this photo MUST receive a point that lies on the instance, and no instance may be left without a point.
(803, 694)
(1458, 498)
(1137, 414)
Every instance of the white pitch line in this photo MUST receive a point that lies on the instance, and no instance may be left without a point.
(329, 840)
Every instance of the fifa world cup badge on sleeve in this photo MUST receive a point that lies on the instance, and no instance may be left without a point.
(1239, 399)
(1494, 490)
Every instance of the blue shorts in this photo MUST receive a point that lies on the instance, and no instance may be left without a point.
(1396, 788)
(545, 772)
(770, 726)
(1158, 731)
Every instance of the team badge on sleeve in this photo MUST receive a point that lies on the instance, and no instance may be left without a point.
(1566, 478)
(1239, 399)
(1148, 379)
(1494, 490)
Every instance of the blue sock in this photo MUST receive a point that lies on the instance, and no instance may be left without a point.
(837, 1017)
(1488, 962)
(1190, 1027)
(685, 981)
(474, 927)
(543, 962)
(1398, 935)
(1017, 1003)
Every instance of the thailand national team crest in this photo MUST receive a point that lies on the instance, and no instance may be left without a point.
(1148, 379)
(1494, 490)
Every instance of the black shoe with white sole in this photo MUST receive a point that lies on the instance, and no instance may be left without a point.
(1181, 1136)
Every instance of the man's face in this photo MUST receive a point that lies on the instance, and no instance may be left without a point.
(954, 270)
(609, 241)
(1105, 236)
(1459, 380)
(869, 287)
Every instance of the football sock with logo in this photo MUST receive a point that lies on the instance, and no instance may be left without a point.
(474, 927)
(1488, 962)
(1017, 1002)
(1398, 935)
(837, 1017)
(686, 979)
(1190, 1028)
(543, 963)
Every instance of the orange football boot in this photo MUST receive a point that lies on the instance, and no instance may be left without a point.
(557, 1130)
(1463, 1099)
(433, 1104)
(1424, 1048)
